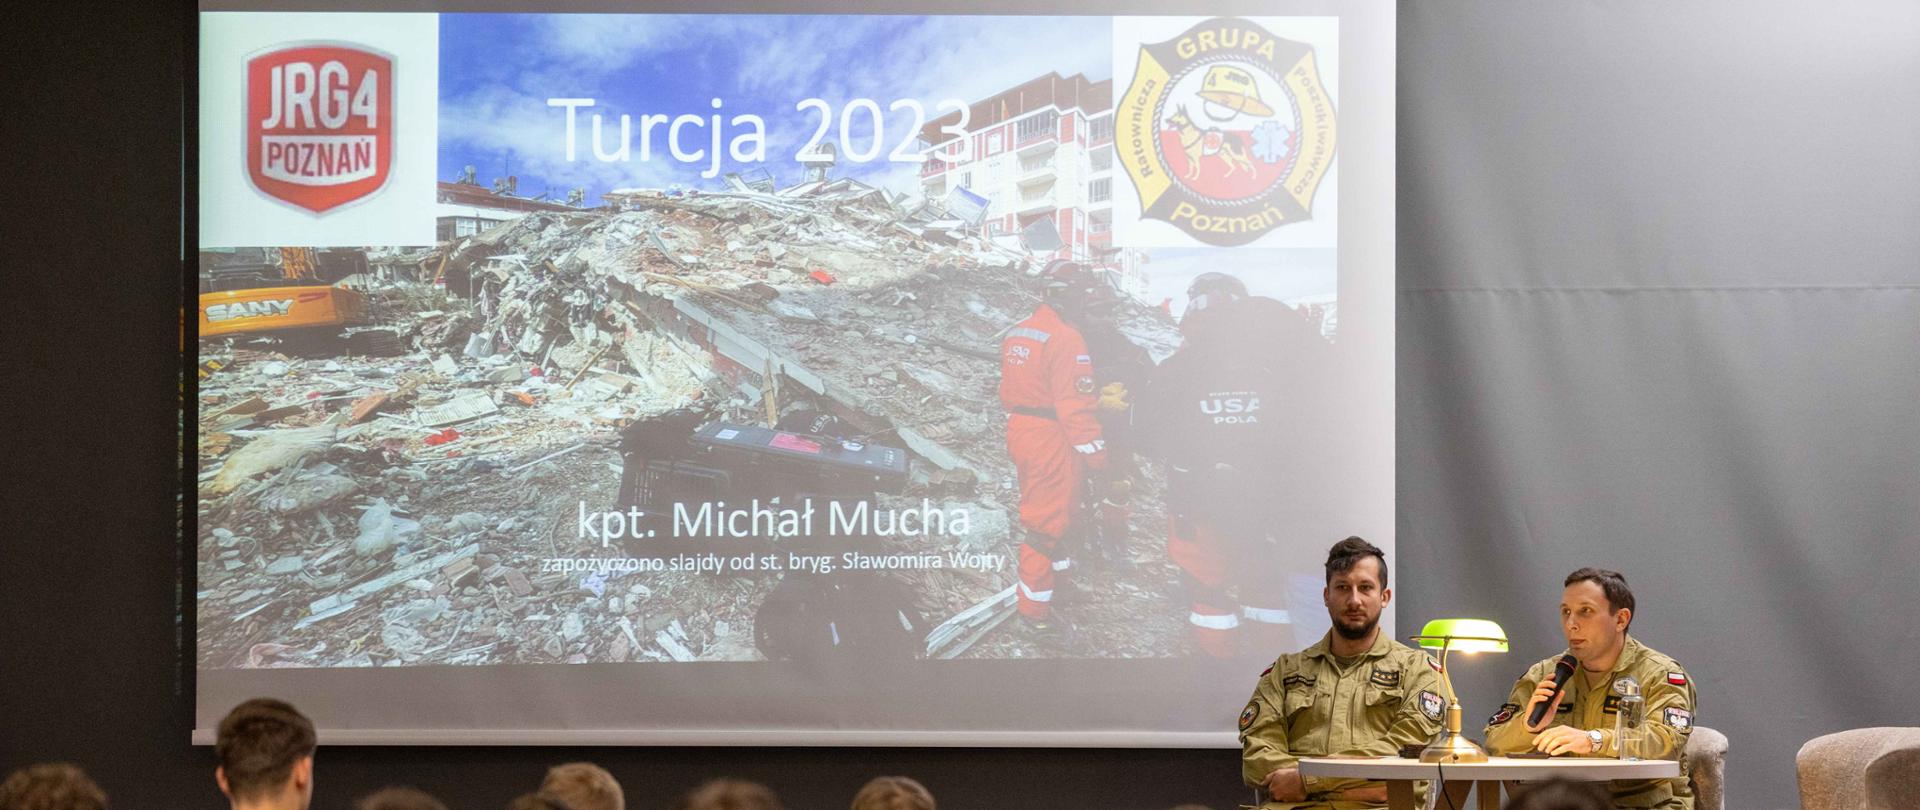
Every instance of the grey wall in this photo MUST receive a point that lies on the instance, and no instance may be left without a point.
(1659, 306)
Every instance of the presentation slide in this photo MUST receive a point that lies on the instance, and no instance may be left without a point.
(760, 378)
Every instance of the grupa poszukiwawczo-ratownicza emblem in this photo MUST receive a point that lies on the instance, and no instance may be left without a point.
(1226, 131)
(320, 126)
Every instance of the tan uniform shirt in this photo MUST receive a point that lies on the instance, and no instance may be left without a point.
(1669, 697)
(1308, 705)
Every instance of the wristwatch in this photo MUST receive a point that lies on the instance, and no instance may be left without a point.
(1598, 739)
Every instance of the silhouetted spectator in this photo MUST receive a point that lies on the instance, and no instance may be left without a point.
(731, 794)
(52, 786)
(893, 793)
(265, 748)
(583, 786)
(399, 798)
(538, 801)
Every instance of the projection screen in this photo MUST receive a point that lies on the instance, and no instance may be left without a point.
(785, 378)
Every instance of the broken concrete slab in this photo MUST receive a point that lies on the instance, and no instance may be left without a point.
(310, 492)
(269, 452)
(462, 408)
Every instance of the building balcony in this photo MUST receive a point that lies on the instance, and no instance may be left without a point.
(1039, 175)
(1037, 143)
(1031, 203)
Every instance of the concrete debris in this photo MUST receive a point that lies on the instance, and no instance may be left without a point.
(463, 408)
(309, 493)
(380, 530)
(270, 452)
(323, 480)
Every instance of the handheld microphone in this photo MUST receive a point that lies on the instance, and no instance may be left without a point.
(1562, 672)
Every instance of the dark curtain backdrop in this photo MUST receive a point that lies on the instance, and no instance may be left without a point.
(1659, 310)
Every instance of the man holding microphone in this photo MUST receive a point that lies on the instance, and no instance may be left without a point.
(1577, 717)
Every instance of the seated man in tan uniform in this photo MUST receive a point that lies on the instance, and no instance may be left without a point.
(1356, 691)
(1595, 610)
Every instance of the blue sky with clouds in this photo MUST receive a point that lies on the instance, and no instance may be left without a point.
(498, 70)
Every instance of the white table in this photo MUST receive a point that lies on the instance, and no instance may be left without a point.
(1400, 774)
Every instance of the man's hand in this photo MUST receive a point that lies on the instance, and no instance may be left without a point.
(1284, 785)
(1541, 693)
(1563, 740)
(1376, 794)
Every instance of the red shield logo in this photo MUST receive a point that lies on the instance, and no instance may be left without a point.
(319, 124)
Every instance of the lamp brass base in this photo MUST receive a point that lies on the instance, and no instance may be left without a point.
(1449, 747)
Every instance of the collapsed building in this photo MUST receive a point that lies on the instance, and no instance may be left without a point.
(360, 511)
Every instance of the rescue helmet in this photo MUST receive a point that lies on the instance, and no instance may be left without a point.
(1207, 295)
(812, 419)
(1076, 290)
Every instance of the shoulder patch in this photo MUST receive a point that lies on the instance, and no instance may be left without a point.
(1083, 384)
(1268, 671)
(1434, 664)
(1385, 678)
(1677, 678)
(1504, 714)
(1430, 705)
(1083, 359)
(1678, 718)
(1248, 714)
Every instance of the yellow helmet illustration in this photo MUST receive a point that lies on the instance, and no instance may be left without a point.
(1233, 87)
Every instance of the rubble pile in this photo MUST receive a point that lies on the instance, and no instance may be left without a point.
(371, 511)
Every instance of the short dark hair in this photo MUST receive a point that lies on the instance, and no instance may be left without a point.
(258, 744)
(893, 793)
(731, 794)
(1613, 584)
(1346, 553)
(538, 801)
(51, 786)
(583, 786)
(399, 798)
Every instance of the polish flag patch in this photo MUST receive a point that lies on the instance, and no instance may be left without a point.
(1677, 678)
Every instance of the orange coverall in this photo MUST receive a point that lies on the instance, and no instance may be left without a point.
(1047, 389)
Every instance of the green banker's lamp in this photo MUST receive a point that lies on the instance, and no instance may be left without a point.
(1466, 636)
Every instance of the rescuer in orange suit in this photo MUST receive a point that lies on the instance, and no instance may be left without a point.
(1047, 389)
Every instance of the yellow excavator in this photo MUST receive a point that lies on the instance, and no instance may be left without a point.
(289, 297)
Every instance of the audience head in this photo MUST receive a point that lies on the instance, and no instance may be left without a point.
(893, 793)
(265, 748)
(583, 786)
(538, 801)
(53, 786)
(1561, 794)
(731, 794)
(399, 798)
